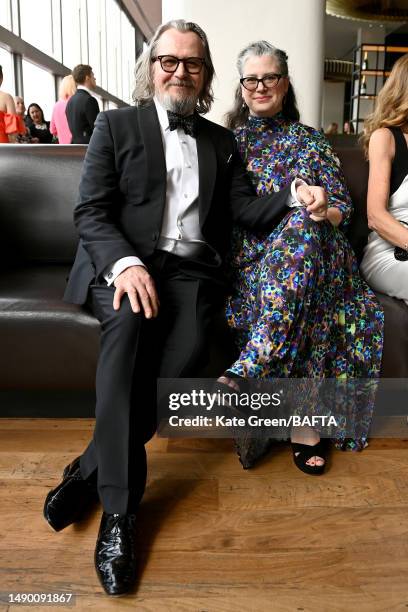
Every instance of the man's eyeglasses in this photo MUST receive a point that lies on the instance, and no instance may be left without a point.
(269, 80)
(169, 63)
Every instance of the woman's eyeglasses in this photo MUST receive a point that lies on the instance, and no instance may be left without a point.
(269, 80)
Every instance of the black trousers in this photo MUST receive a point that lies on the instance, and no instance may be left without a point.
(134, 351)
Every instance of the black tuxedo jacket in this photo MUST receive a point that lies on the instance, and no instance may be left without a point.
(82, 110)
(122, 193)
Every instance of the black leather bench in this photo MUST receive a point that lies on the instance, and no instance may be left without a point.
(49, 348)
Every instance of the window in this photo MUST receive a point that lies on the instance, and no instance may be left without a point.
(39, 87)
(5, 15)
(114, 48)
(111, 47)
(95, 32)
(36, 24)
(128, 58)
(74, 32)
(6, 61)
(56, 29)
(97, 41)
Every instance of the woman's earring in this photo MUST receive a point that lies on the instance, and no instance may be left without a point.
(243, 106)
(284, 100)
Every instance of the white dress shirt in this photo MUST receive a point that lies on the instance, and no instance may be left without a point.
(181, 216)
(86, 89)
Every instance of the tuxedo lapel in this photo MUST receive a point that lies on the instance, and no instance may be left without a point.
(207, 169)
(153, 145)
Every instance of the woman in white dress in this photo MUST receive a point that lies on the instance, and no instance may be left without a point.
(385, 139)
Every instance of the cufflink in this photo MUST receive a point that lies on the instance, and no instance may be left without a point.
(110, 274)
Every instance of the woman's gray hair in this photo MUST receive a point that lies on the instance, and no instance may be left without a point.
(262, 47)
(238, 115)
(144, 86)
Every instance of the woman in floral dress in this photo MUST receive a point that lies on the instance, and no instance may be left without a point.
(299, 307)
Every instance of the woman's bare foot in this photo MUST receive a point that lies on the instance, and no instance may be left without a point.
(307, 435)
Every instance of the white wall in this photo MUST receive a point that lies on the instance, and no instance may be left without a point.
(333, 98)
(297, 26)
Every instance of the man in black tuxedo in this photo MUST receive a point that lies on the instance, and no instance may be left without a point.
(159, 190)
(82, 108)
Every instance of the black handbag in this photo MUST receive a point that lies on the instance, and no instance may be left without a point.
(399, 253)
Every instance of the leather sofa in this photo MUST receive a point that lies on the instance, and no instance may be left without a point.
(395, 353)
(49, 348)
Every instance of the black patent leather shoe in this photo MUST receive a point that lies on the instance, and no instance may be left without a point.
(115, 553)
(71, 499)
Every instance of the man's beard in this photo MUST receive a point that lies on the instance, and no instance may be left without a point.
(181, 106)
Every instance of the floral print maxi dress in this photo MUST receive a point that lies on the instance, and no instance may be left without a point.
(299, 306)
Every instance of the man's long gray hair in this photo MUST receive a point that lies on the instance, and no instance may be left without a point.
(144, 86)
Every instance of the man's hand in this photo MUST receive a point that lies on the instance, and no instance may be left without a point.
(139, 285)
(315, 200)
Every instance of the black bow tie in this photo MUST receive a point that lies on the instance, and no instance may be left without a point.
(188, 124)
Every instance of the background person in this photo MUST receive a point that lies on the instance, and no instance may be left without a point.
(39, 128)
(21, 111)
(385, 141)
(348, 127)
(82, 108)
(59, 127)
(333, 128)
(20, 106)
(11, 123)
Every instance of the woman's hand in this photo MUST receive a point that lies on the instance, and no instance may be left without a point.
(315, 200)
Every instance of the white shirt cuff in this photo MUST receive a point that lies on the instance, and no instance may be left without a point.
(292, 199)
(113, 271)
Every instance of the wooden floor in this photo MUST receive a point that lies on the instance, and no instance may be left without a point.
(214, 538)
